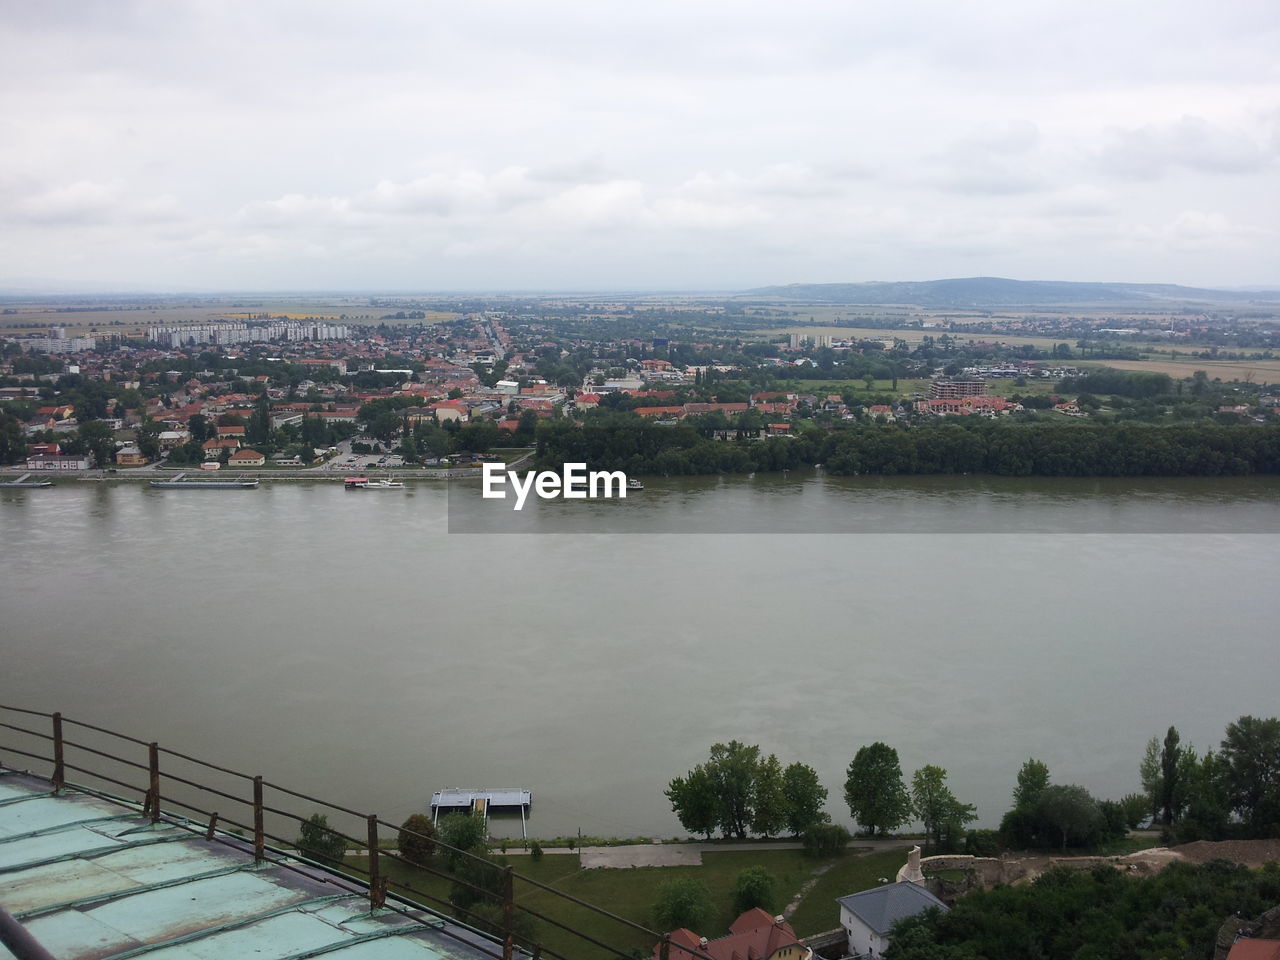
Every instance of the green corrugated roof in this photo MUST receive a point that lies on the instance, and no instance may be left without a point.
(90, 877)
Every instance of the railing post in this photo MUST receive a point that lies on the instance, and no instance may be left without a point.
(259, 832)
(508, 913)
(59, 763)
(377, 889)
(153, 761)
(664, 948)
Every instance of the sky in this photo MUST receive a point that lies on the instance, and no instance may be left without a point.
(595, 144)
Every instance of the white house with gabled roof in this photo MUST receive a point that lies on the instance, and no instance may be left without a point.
(869, 916)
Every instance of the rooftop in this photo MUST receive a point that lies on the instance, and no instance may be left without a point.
(89, 876)
(881, 907)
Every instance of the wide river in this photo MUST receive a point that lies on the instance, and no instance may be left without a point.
(349, 645)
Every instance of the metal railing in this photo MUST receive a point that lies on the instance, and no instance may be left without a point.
(249, 823)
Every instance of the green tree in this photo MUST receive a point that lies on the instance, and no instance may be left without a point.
(320, 842)
(754, 887)
(1176, 764)
(733, 770)
(1070, 811)
(768, 798)
(1251, 753)
(682, 902)
(415, 841)
(100, 440)
(805, 797)
(457, 835)
(1032, 779)
(1151, 777)
(875, 791)
(942, 814)
(695, 801)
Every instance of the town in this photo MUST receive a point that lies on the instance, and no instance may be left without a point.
(431, 388)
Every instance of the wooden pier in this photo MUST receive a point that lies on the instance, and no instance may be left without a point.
(480, 802)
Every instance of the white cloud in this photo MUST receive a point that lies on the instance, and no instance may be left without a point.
(1193, 143)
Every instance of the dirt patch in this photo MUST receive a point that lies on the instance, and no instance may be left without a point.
(1250, 853)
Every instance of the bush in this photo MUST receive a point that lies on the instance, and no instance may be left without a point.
(825, 840)
(982, 843)
(754, 887)
(462, 833)
(320, 842)
(416, 841)
(683, 902)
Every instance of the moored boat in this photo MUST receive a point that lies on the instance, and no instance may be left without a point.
(180, 482)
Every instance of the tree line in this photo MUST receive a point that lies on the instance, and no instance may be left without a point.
(975, 445)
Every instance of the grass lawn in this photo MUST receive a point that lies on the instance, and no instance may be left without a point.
(851, 873)
(630, 893)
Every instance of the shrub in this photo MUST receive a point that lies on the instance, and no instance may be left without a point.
(416, 841)
(982, 843)
(320, 842)
(683, 902)
(535, 852)
(754, 887)
(825, 840)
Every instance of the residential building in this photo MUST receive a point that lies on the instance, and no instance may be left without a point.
(869, 916)
(57, 462)
(754, 935)
(130, 457)
(957, 389)
(247, 458)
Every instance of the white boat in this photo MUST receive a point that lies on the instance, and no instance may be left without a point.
(634, 485)
(369, 483)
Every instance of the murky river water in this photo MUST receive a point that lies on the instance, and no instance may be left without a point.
(347, 644)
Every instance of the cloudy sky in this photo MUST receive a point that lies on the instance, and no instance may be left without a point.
(595, 144)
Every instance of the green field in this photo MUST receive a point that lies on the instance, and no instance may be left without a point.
(631, 893)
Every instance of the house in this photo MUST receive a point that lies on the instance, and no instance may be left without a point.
(246, 458)
(754, 934)
(881, 410)
(1248, 948)
(779, 429)
(867, 917)
(46, 461)
(231, 430)
(44, 450)
(213, 448)
(130, 457)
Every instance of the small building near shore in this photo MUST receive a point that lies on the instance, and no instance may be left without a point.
(869, 916)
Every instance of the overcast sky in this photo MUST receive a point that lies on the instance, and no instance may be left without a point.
(557, 144)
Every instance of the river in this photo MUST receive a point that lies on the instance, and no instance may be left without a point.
(349, 645)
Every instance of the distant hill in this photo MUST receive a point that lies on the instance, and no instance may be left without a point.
(999, 292)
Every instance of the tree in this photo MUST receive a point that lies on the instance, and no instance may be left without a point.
(459, 834)
(683, 902)
(1251, 753)
(733, 770)
(754, 887)
(1032, 779)
(1176, 763)
(943, 815)
(1070, 811)
(320, 842)
(768, 799)
(415, 840)
(1151, 777)
(874, 789)
(805, 797)
(695, 801)
(99, 439)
